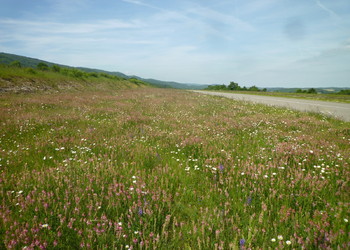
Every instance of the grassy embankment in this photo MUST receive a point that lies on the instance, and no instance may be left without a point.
(319, 97)
(19, 80)
(153, 168)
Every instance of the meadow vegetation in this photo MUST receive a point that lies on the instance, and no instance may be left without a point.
(18, 79)
(166, 169)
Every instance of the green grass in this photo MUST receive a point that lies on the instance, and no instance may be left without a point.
(319, 97)
(19, 80)
(165, 169)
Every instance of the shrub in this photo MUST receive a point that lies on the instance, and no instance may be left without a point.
(31, 71)
(16, 64)
(56, 68)
(77, 73)
(42, 66)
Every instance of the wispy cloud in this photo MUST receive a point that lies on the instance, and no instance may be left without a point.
(137, 2)
(328, 10)
(73, 28)
(219, 18)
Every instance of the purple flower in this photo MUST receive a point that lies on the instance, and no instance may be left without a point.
(140, 211)
(249, 200)
(221, 168)
(241, 242)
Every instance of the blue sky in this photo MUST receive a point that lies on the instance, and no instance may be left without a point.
(268, 43)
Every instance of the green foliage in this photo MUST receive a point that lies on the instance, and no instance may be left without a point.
(254, 88)
(42, 66)
(308, 91)
(234, 87)
(217, 87)
(77, 73)
(137, 81)
(16, 64)
(31, 71)
(58, 78)
(312, 91)
(106, 75)
(56, 68)
(344, 92)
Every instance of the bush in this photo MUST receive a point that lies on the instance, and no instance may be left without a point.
(344, 92)
(312, 91)
(65, 71)
(106, 75)
(42, 66)
(31, 71)
(56, 68)
(217, 87)
(16, 64)
(77, 73)
(254, 88)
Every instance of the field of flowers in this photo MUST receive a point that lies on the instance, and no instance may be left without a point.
(166, 169)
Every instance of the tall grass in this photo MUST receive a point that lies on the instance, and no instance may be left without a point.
(160, 169)
(56, 79)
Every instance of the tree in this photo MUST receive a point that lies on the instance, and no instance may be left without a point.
(254, 88)
(312, 91)
(77, 73)
(217, 87)
(234, 86)
(16, 64)
(42, 66)
(56, 68)
(344, 92)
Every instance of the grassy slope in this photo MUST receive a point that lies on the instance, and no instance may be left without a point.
(319, 97)
(155, 168)
(19, 80)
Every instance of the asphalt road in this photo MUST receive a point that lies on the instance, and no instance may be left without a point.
(337, 110)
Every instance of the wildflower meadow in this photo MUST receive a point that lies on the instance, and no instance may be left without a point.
(168, 169)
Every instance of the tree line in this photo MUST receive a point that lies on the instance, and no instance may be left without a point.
(235, 87)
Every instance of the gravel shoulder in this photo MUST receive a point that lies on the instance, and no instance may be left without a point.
(337, 110)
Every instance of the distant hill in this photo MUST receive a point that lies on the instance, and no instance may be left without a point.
(6, 58)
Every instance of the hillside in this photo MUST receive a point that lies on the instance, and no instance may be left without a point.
(6, 58)
(18, 79)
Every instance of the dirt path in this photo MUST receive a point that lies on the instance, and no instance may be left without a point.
(338, 110)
